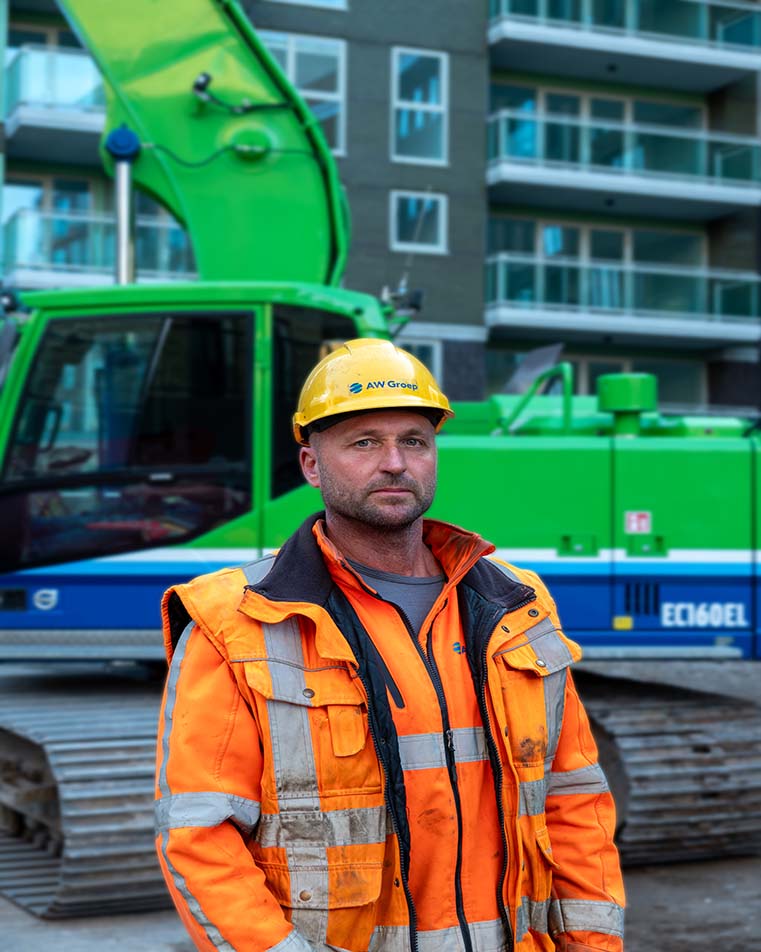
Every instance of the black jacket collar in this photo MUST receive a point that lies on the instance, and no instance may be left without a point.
(299, 574)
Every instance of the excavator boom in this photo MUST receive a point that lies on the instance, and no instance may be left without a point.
(227, 144)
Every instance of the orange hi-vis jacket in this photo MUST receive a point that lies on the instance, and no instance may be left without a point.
(326, 779)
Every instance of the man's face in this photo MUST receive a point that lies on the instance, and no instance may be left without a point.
(375, 468)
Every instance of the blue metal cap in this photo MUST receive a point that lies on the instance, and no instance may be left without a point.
(122, 144)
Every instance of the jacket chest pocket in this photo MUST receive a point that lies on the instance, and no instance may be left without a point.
(319, 742)
(532, 678)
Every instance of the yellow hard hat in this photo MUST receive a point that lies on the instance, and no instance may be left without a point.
(367, 374)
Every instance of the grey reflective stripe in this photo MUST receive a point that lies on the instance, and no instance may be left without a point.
(290, 733)
(554, 708)
(212, 933)
(331, 828)
(584, 780)
(210, 808)
(505, 571)
(488, 936)
(532, 796)
(257, 570)
(423, 751)
(531, 914)
(293, 942)
(298, 792)
(586, 915)
(485, 937)
(469, 744)
(171, 697)
(551, 648)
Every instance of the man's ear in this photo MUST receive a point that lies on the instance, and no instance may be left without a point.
(309, 466)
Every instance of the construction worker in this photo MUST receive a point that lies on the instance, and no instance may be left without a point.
(371, 740)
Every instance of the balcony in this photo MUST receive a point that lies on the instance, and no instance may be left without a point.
(680, 44)
(49, 90)
(620, 168)
(51, 250)
(626, 303)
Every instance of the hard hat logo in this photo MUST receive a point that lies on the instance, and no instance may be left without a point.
(363, 375)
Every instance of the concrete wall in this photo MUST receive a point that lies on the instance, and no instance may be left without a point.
(734, 383)
(733, 241)
(735, 107)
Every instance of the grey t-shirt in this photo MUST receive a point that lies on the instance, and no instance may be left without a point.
(414, 595)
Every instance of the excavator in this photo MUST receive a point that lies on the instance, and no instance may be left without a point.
(145, 439)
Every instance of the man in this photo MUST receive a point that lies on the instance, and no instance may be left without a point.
(371, 740)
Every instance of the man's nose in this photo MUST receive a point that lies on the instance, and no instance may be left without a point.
(392, 460)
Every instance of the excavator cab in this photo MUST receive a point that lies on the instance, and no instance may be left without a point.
(143, 417)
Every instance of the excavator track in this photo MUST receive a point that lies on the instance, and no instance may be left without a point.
(684, 767)
(77, 762)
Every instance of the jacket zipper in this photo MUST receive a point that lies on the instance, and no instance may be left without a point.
(499, 774)
(380, 744)
(449, 754)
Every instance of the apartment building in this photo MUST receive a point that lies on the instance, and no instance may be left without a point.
(575, 172)
(624, 175)
(401, 101)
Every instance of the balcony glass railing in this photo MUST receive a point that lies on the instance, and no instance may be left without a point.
(622, 148)
(725, 24)
(54, 78)
(644, 290)
(86, 244)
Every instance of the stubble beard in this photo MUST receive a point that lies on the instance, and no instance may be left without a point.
(360, 506)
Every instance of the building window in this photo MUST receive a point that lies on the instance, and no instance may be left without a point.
(428, 352)
(419, 222)
(316, 66)
(420, 104)
(66, 224)
(327, 4)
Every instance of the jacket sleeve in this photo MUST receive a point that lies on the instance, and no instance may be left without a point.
(588, 896)
(208, 784)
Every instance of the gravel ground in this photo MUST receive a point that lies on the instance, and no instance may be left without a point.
(687, 907)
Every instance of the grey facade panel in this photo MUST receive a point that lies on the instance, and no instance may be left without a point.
(452, 283)
(446, 24)
(734, 383)
(465, 369)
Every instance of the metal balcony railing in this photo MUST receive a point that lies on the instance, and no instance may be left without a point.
(644, 290)
(729, 24)
(53, 78)
(86, 244)
(623, 148)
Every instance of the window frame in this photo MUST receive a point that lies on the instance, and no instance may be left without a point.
(443, 109)
(437, 351)
(290, 73)
(587, 227)
(442, 247)
(339, 5)
(586, 96)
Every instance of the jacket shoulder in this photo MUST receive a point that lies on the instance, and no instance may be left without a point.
(210, 601)
(533, 579)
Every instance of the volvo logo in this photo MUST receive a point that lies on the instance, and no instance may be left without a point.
(45, 598)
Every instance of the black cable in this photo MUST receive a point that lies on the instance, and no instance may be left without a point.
(201, 89)
(215, 155)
